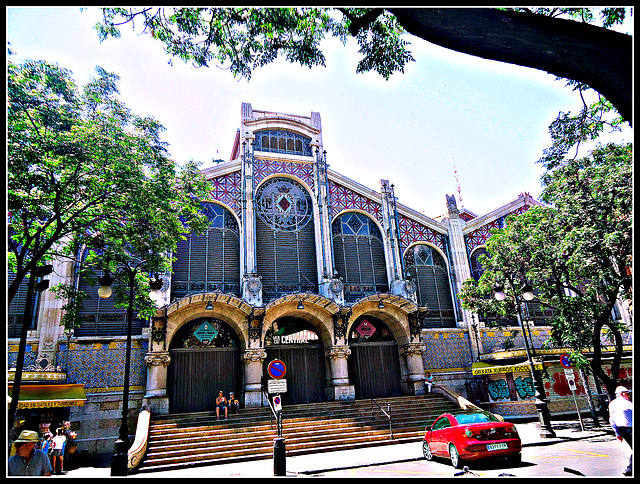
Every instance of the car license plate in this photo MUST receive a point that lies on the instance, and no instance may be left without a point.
(500, 446)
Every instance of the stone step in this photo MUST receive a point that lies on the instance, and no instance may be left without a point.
(190, 439)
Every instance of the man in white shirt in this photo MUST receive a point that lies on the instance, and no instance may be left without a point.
(621, 420)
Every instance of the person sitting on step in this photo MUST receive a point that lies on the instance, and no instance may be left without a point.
(234, 405)
(221, 402)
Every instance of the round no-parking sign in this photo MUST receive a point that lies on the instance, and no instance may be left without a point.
(277, 369)
(565, 361)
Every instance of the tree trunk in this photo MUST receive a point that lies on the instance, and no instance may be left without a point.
(596, 56)
(596, 363)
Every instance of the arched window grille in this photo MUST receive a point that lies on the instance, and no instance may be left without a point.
(476, 267)
(99, 316)
(359, 256)
(429, 271)
(282, 141)
(211, 261)
(285, 238)
(16, 309)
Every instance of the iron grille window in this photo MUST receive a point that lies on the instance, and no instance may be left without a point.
(286, 252)
(211, 261)
(428, 270)
(99, 316)
(16, 308)
(476, 268)
(282, 141)
(359, 256)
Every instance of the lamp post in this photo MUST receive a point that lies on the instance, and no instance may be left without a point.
(120, 461)
(544, 417)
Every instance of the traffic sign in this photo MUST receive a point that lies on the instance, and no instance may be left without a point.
(277, 386)
(565, 361)
(277, 369)
(572, 384)
(277, 403)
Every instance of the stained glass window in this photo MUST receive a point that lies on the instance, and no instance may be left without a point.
(209, 262)
(284, 204)
(205, 333)
(428, 270)
(359, 255)
(282, 141)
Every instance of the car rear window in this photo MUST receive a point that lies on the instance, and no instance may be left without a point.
(468, 418)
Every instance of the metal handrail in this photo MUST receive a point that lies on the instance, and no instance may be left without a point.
(387, 414)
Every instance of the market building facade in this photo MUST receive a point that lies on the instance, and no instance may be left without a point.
(353, 290)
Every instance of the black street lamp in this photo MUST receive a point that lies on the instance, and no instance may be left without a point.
(544, 417)
(120, 461)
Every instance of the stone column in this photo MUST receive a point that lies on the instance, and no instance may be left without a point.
(390, 236)
(462, 271)
(50, 332)
(412, 353)
(340, 388)
(156, 399)
(253, 360)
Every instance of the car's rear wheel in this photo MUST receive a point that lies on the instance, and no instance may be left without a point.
(515, 459)
(456, 461)
(426, 450)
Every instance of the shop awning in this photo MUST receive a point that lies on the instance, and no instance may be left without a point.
(486, 369)
(45, 396)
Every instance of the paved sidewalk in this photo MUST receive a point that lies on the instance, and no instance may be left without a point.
(303, 465)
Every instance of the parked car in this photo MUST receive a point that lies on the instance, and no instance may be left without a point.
(471, 435)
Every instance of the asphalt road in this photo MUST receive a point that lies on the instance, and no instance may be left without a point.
(592, 456)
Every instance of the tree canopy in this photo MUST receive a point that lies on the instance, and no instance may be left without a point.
(563, 41)
(575, 252)
(80, 163)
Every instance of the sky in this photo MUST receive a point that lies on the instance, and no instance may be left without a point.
(451, 124)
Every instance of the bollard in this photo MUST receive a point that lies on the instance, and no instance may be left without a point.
(279, 457)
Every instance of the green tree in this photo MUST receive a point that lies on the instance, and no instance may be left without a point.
(80, 162)
(83, 171)
(576, 252)
(563, 41)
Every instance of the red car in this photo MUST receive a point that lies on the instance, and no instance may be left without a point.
(471, 435)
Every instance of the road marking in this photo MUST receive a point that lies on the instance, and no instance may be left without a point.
(588, 453)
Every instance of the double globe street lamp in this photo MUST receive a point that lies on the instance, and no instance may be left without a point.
(544, 417)
(120, 462)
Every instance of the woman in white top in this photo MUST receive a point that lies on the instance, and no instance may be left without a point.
(58, 450)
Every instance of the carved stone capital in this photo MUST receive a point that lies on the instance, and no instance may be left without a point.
(413, 349)
(254, 355)
(336, 352)
(158, 358)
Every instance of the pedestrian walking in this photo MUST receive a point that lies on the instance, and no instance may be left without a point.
(621, 420)
(28, 461)
(428, 381)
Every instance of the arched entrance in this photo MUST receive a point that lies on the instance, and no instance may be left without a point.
(296, 342)
(374, 365)
(205, 358)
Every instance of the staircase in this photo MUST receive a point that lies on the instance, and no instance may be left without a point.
(193, 439)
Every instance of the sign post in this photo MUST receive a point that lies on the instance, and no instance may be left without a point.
(571, 380)
(277, 370)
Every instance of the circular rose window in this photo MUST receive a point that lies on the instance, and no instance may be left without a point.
(284, 204)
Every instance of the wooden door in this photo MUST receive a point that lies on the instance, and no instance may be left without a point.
(374, 369)
(197, 374)
(306, 375)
